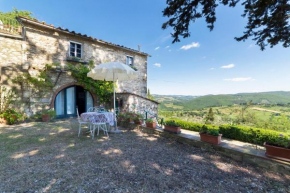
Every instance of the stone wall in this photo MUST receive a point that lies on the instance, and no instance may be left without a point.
(43, 46)
(135, 103)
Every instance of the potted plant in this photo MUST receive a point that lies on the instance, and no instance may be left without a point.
(138, 118)
(121, 117)
(47, 115)
(172, 126)
(278, 147)
(10, 117)
(151, 123)
(210, 134)
(128, 116)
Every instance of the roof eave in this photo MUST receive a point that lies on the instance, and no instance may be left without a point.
(59, 29)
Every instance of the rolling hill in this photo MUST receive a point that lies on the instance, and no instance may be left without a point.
(179, 102)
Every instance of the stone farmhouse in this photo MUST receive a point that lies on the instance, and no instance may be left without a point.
(33, 44)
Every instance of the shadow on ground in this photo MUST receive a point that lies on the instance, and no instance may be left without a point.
(49, 157)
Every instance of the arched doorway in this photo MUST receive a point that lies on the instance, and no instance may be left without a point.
(70, 98)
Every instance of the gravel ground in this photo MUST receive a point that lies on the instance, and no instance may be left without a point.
(48, 157)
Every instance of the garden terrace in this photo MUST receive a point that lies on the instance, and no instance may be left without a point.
(49, 157)
(10, 26)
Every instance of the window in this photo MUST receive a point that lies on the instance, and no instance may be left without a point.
(75, 50)
(130, 61)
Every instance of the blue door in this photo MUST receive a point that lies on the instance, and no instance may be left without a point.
(71, 98)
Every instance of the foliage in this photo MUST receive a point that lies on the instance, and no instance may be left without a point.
(134, 67)
(11, 116)
(268, 21)
(49, 112)
(150, 120)
(210, 130)
(189, 125)
(189, 103)
(149, 96)
(15, 13)
(171, 123)
(241, 133)
(243, 110)
(137, 117)
(125, 115)
(6, 98)
(102, 89)
(210, 116)
(255, 135)
(39, 84)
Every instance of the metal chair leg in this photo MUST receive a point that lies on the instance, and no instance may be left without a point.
(80, 128)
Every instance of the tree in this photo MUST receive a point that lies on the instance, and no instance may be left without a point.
(149, 96)
(209, 117)
(243, 110)
(268, 21)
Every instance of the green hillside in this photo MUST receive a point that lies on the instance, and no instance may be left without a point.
(171, 102)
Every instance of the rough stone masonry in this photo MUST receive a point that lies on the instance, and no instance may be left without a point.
(41, 44)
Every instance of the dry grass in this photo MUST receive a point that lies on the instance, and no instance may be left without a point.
(40, 157)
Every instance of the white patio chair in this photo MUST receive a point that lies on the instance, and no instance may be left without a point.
(100, 109)
(82, 122)
(91, 109)
(99, 122)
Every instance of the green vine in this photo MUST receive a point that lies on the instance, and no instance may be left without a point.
(43, 83)
(38, 84)
(102, 89)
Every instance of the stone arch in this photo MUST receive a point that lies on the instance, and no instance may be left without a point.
(69, 85)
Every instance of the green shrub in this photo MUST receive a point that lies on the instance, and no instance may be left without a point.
(210, 130)
(11, 116)
(172, 123)
(49, 112)
(189, 125)
(240, 133)
(255, 135)
(150, 120)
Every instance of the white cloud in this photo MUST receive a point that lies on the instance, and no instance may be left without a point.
(228, 66)
(167, 47)
(157, 65)
(251, 45)
(157, 48)
(240, 79)
(189, 46)
(169, 50)
(165, 38)
(211, 69)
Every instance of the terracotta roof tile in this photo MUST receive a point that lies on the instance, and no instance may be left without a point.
(79, 34)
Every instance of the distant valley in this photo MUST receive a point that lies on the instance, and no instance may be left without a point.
(188, 103)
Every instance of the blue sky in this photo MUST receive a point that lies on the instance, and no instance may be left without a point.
(206, 63)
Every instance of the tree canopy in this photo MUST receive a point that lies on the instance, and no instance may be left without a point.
(268, 20)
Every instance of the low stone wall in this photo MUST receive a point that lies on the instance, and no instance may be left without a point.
(135, 103)
(262, 162)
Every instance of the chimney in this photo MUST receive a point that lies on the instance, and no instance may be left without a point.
(139, 48)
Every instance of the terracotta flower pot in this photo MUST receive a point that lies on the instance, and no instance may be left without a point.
(129, 120)
(277, 152)
(210, 138)
(45, 118)
(172, 129)
(151, 125)
(138, 122)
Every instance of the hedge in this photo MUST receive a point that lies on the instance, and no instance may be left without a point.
(246, 134)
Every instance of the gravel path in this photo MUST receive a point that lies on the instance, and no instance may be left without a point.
(41, 157)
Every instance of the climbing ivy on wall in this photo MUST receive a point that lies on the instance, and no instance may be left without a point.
(38, 84)
(102, 89)
(43, 83)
